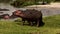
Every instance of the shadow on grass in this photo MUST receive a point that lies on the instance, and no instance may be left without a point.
(27, 24)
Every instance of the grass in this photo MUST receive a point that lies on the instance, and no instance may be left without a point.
(52, 26)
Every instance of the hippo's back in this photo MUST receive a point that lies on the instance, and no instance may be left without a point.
(32, 13)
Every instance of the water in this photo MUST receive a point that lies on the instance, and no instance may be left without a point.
(45, 11)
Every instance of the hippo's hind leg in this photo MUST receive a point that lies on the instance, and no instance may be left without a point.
(41, 23)
(38, 23)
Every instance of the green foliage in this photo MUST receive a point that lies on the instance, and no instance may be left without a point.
(17, 3)
(22, 3)
(28, 3)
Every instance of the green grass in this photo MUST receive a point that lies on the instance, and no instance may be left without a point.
(52, 26)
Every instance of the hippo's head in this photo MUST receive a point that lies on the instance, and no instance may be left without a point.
(18, 13)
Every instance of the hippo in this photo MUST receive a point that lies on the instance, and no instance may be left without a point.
(30, 16)
(4, 16)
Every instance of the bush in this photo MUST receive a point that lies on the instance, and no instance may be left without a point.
(27, 3)
(17, 3)
(22, 4)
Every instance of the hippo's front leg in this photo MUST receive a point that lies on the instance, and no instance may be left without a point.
(30, 23)
(23, 20)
